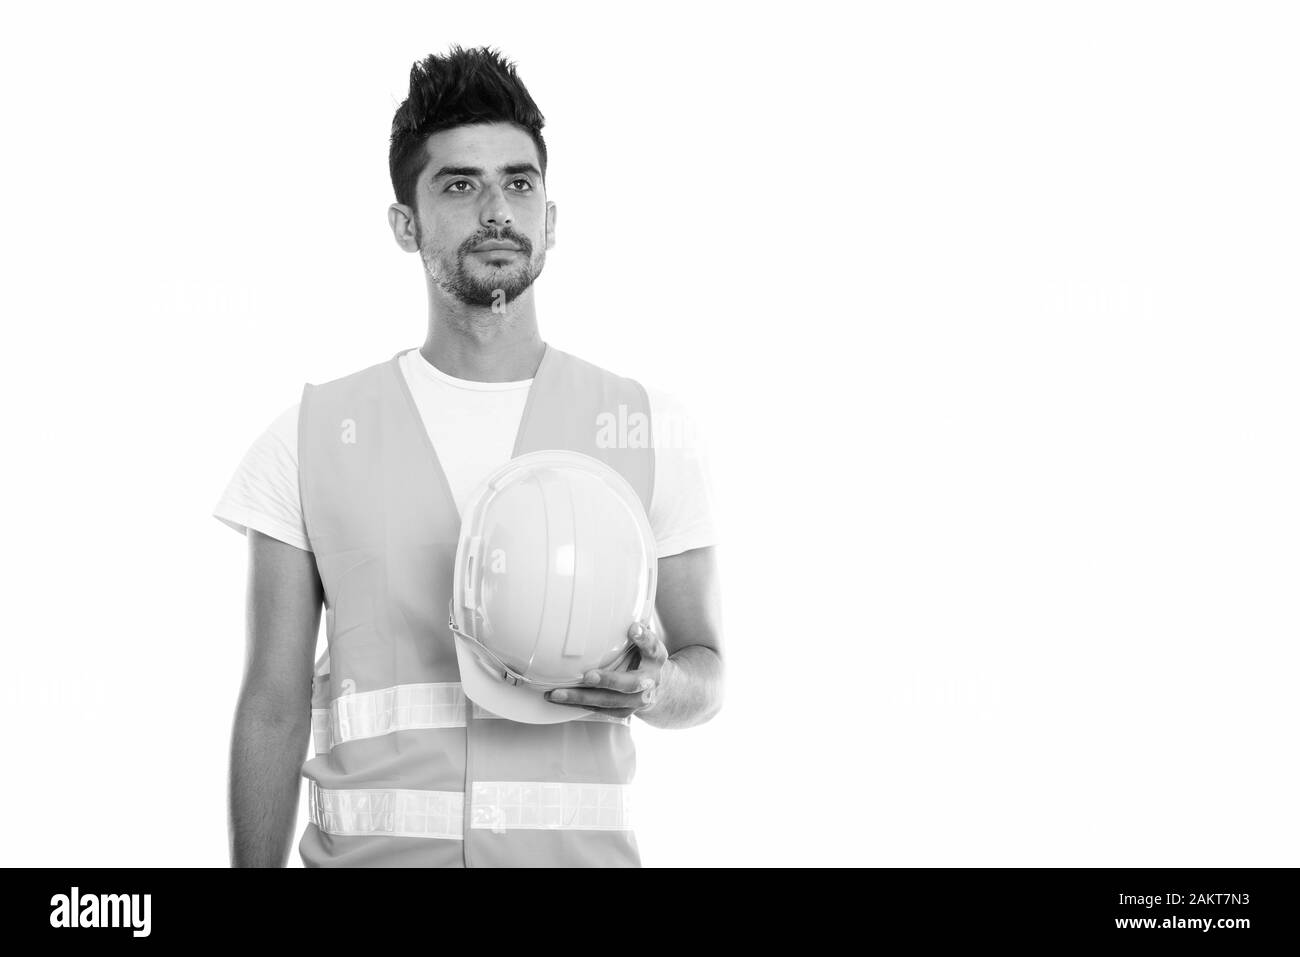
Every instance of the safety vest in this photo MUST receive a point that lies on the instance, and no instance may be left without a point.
(407, 772)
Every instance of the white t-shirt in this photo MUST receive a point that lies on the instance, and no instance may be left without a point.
(473, 426)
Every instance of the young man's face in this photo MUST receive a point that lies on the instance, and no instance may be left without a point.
(482, 188)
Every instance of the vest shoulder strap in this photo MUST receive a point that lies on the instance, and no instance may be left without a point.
(581, 407)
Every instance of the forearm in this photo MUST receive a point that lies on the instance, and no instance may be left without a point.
(690, 689)
(266, 756)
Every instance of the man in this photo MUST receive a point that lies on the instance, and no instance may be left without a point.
(352, 498)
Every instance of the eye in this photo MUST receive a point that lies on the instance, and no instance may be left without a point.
(452, 187)
(526, 185)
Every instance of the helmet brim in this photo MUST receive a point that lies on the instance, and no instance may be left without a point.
(509, 701)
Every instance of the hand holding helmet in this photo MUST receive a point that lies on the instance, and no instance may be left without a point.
(622, 693)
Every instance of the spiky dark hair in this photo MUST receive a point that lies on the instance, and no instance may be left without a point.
(460, 88)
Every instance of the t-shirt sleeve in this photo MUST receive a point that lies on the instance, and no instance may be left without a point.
(681, 504)
(263, 493)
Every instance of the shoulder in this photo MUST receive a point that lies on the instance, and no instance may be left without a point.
(664, 403)
(681, 511)
(673, 425)
(284, 429)
(276, 448)
(577, 367)
(343, 395)
(344, 382)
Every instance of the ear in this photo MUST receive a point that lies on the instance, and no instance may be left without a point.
(550, 225)
(402, 222)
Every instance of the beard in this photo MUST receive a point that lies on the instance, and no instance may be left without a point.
(482, 284)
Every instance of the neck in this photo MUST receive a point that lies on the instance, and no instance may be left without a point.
(476, 343)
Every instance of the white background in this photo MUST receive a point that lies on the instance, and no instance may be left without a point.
(989, 312)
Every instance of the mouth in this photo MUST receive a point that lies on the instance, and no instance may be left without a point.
(495, 246)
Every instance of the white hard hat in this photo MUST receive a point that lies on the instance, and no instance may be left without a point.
(555, 562)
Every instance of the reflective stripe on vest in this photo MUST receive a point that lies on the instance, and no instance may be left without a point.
(504, 805)
(401, 708)
(498, 806)
(351, 717)
(389, 811)
(387, 706)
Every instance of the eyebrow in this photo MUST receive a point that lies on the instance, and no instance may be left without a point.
(508, 170)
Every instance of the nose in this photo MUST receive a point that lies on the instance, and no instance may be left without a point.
(496, 209)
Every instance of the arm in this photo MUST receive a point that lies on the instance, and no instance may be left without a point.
(273, 715)
(690, 610)
(678, 681)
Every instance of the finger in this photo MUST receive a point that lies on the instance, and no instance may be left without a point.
(613, 712)
(647, 642)
(593, 698)
(627, 682)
